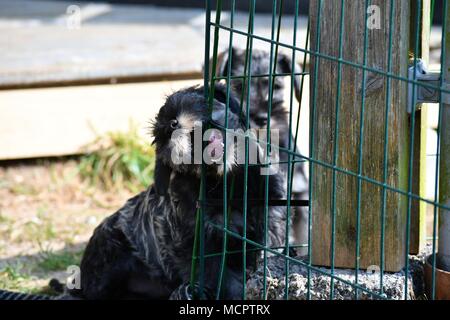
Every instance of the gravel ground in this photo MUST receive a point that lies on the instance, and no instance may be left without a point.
(393, 283)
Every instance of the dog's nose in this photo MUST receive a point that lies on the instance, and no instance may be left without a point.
(174, 124)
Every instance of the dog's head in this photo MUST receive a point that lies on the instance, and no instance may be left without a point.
(259, 93)
(178, 137)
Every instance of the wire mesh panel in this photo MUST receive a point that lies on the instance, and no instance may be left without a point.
(350, 132)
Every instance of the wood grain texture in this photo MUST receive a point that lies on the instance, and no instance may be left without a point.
(348, 135)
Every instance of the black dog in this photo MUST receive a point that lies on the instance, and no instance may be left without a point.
(258, 109)
(144, 250)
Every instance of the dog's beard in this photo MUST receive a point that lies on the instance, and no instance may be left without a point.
(181, 147)
(187, 152)
(216, 153)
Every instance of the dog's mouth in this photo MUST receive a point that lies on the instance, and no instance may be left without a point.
(216, 146)
(186, 145)
(188, 152)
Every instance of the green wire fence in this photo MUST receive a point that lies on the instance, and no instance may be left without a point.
(313, 57)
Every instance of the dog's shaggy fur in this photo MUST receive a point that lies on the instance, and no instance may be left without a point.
(258, 109)
(144, 250)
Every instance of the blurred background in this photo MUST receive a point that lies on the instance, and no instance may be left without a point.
(80, 82)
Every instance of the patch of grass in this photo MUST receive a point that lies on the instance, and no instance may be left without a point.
(33, 275)
(40, 229)
(5, 231)
(22, 189)
(3, 219)
(3, 183)
(51, 261)
(121, 159)
(12, 278)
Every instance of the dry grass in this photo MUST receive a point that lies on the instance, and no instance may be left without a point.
(47, 214)
(120, 160)
(48, 210)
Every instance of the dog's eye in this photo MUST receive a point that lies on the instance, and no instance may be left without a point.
(260, 121)
(238, 85)
(277, 86)
(174, 123)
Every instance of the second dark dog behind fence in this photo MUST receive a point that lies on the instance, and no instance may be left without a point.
(258, 108)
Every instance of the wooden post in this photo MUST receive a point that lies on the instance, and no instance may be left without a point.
(444, 166)
(323, 124)
(419, 208)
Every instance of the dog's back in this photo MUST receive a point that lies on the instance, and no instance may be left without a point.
(118, 262)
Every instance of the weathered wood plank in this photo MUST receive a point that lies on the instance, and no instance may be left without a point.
(348, 135)
(62, 121)
(114, 43)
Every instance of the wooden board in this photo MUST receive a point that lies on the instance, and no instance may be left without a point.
(348, 136)
(115, 43)
(44, 44)
(419, 208)
(62, 121)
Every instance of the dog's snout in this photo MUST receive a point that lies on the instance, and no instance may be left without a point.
(174, 124)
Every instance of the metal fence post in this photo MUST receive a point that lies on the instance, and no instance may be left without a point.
(444, 167)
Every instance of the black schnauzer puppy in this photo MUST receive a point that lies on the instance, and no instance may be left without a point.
(144, 250)
(258, 107)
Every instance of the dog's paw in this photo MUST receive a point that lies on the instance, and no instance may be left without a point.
(184, 292)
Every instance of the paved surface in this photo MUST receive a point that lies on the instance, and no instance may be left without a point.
(39, 44)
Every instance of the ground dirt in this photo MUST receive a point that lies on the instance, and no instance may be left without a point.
(47, 214)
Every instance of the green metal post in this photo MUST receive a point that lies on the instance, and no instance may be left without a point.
(444, 167)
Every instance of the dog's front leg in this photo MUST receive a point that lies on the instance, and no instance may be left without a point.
(230, 288)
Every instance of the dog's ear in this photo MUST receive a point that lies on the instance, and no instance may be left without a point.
(285, 65)
(220, 94)
(162, 177)
(235, 117)
(222, 62)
